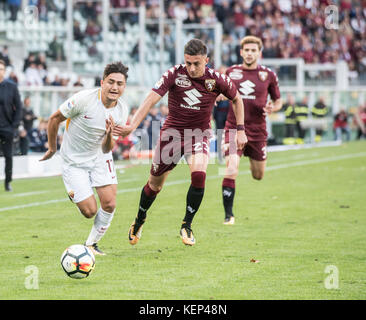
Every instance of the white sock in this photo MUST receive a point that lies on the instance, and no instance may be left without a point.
(101, 224)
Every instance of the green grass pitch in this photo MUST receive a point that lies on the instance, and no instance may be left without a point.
(307, 214)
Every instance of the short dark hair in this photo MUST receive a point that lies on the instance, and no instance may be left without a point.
(115, 67)
(195, 47)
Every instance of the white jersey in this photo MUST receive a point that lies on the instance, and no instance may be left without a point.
(85, 126)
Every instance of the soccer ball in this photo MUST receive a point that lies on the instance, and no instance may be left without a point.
(78, 261)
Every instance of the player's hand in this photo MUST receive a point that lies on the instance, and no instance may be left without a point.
(241, 139)
(124, 131)
(109, 125)
(48, 155)
(269, 107)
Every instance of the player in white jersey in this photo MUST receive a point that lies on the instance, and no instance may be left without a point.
(94, 118)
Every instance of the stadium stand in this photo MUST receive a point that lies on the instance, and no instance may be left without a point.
(289, 29)
(36, 53)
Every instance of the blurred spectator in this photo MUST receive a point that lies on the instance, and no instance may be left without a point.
(93, 30)
(78, 83)
(43, 10)
(153, 121)
(219, 114)
(78, 34)
(290, 120)
(28, 115)
(56, 50)
(57, 81)
(10, 117)
(14, 6)
(301, 114)
(360, 121)
(319, 111)
(13, 77)
(340, 125)
(163, 112)
(93, 51)
(38, 137)
(33, 76)
(28, 60)
(4, 55)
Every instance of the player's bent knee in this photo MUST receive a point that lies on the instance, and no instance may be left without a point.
(88, 212)
(198, 179)
(257, 175)
(109, 206)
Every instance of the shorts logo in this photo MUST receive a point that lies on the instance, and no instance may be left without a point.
(263, 75)
(210, 84)
(183, 82)
(71, 195)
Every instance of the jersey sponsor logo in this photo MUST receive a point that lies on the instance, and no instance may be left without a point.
(191, 99)
(236, 75)
(210, 84)
(246, 88)
(183, 82)
(263, 75)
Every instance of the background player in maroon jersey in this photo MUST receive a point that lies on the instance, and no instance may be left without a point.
(254, 82)
(193, 89)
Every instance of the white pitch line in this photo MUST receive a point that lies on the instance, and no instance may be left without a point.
(170, 183)
(26, 194)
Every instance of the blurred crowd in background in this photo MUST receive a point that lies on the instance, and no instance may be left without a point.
(289, 29)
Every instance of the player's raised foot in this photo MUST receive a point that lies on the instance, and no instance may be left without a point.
(187, 236)
(134, 234)
(229, 220)
(96, 250)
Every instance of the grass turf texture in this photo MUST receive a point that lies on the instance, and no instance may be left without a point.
(306, 214)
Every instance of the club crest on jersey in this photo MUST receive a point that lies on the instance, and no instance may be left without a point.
(210, 84)
(183, 82)
(263, 75)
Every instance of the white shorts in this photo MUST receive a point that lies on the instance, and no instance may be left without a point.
(79, 182)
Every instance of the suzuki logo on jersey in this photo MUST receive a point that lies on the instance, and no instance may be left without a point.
(246, 88)
(191, 99)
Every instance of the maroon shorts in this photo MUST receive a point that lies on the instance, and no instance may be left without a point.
(256, 150)
(173, 144)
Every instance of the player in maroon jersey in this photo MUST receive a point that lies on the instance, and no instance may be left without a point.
(193, 89)
(254, 82)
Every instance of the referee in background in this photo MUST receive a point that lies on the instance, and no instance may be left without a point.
(10, 116)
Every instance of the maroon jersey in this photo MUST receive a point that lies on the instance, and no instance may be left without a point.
(190, 100)
(254, 87)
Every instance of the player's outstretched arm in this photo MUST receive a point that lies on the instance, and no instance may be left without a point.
(238, 108)
(151, 100)
(52, 129)
(273, 106)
